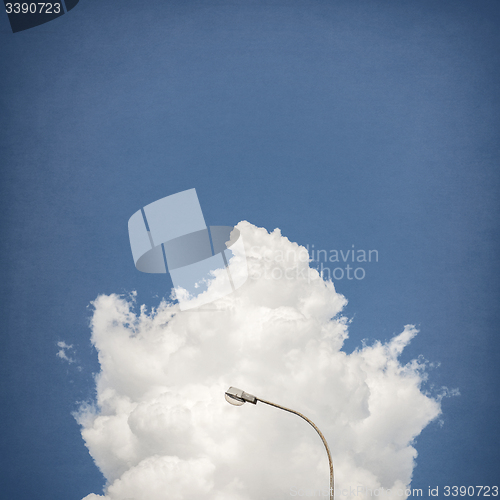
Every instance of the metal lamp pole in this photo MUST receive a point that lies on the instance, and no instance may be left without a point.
(238, 397)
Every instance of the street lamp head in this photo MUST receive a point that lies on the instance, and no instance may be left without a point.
(237, 397)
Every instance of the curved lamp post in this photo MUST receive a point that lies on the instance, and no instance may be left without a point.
(237, 397)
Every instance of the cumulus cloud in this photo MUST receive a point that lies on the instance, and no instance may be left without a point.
(160, 427)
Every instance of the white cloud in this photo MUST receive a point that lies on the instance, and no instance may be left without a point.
(161, 429)
(63, 347)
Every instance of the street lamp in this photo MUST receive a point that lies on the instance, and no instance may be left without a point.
(237, 397)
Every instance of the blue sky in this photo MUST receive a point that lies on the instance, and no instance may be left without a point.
(343, 123)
